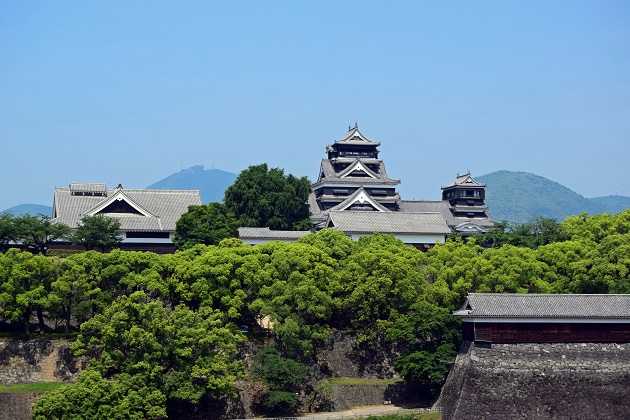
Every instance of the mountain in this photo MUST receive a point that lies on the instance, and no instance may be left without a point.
(614, 203)
(518, 196)
(32, 209)
(511, 196)
(211, 183)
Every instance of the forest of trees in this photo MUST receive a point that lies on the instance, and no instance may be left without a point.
(164, 330)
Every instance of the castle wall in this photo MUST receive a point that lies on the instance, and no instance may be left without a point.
(39, 360)
(539, 381)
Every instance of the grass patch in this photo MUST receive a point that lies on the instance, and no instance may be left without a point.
(363, 381)
(35, 387)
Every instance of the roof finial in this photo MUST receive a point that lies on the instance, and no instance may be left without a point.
(349, 128)
(356, 125)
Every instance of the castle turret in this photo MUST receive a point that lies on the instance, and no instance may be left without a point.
(354, 178)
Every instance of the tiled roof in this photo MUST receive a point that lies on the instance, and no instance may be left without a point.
(349, 221)
(505, 305)
(466, 180)
(470, 209)
(353, 198)
(267, 234)
(354, 136)
(332, 177)
(444, 208)
(357, 165)
(87, 187)
(164, 207)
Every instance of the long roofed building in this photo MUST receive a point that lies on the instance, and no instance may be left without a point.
(147, 217)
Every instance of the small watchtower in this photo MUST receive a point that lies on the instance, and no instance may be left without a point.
(466, 197)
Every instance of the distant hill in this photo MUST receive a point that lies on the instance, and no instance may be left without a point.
(512, 196)
(613, 203)
(211, 183)
(32, 209)
(518, 196)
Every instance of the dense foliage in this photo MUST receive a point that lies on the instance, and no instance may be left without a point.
(519, 196)
(281, 379)
(97, 232)
(264, 197)
(205, 224)
(34, 232)
(160, 329)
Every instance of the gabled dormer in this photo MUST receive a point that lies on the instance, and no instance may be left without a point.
(360, 200)
(119, 203)
(358, 169)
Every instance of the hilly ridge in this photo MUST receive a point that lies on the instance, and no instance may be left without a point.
(518, 196)
(211, 183)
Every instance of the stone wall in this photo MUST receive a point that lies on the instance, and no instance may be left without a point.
(343, 356)
(17, 406)
(346, 396)
(38, 360)
(41, 360)
(539, 381)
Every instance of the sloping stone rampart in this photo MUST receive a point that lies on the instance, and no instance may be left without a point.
(39, 360)
(539, 381)
(342, 355)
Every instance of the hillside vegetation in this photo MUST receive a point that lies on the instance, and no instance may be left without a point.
(613, 203)
(164, 331)
(519, 196)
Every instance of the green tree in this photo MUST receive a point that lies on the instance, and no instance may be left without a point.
(76, 294)
(298, 294)
(205, 224)
(24, 286)
(380, 279)
(8, 229)
(263, 197)
(183, 353)
(514, 270)
(281, 377)
(333, 242)
(535, 232)
(97, 232)
(429, 337)
(452, 270)
(36, 232)
(95, 397)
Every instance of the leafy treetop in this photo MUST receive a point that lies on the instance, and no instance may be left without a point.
(263, 197)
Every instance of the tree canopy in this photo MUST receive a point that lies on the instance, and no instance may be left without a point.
(205, 224)
(165, 328)
(264, 197)
(36, 232)
(97, 232)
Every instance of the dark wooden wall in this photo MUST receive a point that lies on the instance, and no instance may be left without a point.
(546, 332)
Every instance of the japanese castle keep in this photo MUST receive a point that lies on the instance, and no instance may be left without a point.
(353, 179)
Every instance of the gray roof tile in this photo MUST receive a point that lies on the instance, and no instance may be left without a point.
(388, 222)
(165, 207)
(444, 208)
(506, 305)
(265, 233)
(354, 136)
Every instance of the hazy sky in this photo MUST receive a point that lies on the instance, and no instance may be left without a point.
(133, 91)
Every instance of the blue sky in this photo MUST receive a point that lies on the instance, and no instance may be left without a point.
(131, 92)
